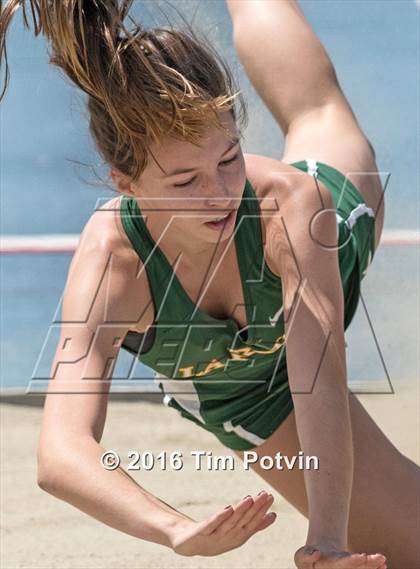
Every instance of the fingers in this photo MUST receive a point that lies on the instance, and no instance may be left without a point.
(374, 561)
(252, 518)
(246, 510)
(334, 560)
(209, 525)
(241, 516)
(378, 559)
(239, 511)
(266, 521)
(361, 561)
(306, 556)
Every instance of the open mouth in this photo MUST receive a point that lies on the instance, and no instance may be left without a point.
(222, 220)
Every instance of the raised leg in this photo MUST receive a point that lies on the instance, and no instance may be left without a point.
(384, 512)
(283, 58)
(294, 76)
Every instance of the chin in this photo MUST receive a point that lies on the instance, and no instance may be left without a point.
(212, 236)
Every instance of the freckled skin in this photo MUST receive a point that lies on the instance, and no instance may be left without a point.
(216, 188)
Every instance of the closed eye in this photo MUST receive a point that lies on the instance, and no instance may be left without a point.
(224, 163)
(230, 161)
(185, 183)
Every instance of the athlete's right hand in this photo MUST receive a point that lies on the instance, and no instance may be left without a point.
(225, 530)
(321, 556)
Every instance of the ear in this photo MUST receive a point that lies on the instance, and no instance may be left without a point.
(122, 182)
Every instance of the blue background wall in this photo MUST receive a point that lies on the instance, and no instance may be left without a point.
(374, 46)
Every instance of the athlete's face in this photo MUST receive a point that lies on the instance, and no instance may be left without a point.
(189, 186)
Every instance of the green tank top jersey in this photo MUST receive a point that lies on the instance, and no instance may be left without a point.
(229, 381)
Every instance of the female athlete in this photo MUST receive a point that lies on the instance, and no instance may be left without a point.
(232, 275)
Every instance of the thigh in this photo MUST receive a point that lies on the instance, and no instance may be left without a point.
(331, 134)
(384, 514)
(282, 56)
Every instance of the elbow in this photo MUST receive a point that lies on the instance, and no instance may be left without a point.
(47, 471)
(45, 476)
(43, 481)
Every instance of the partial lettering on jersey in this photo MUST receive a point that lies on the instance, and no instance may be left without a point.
(239, 354)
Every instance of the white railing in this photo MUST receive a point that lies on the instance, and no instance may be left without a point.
(67, 242)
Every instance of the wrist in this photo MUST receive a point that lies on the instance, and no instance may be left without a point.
(173, 527)
(328, 534)
(337, 544)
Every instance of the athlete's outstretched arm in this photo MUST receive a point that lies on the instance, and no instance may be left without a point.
(306, 258)
(284, 59)
(101, 303)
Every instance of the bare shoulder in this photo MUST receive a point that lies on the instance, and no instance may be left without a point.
(289, 186)
(106, 281)
(289, 201)
(103, 237)
(282, 187)
(263, 172)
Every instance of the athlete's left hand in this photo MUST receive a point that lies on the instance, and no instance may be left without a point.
(324, 557)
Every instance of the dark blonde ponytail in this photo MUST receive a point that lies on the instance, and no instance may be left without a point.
(141, 84)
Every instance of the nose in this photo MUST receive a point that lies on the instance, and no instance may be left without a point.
(217, 195)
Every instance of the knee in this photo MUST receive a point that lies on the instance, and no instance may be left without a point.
(371, 148)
